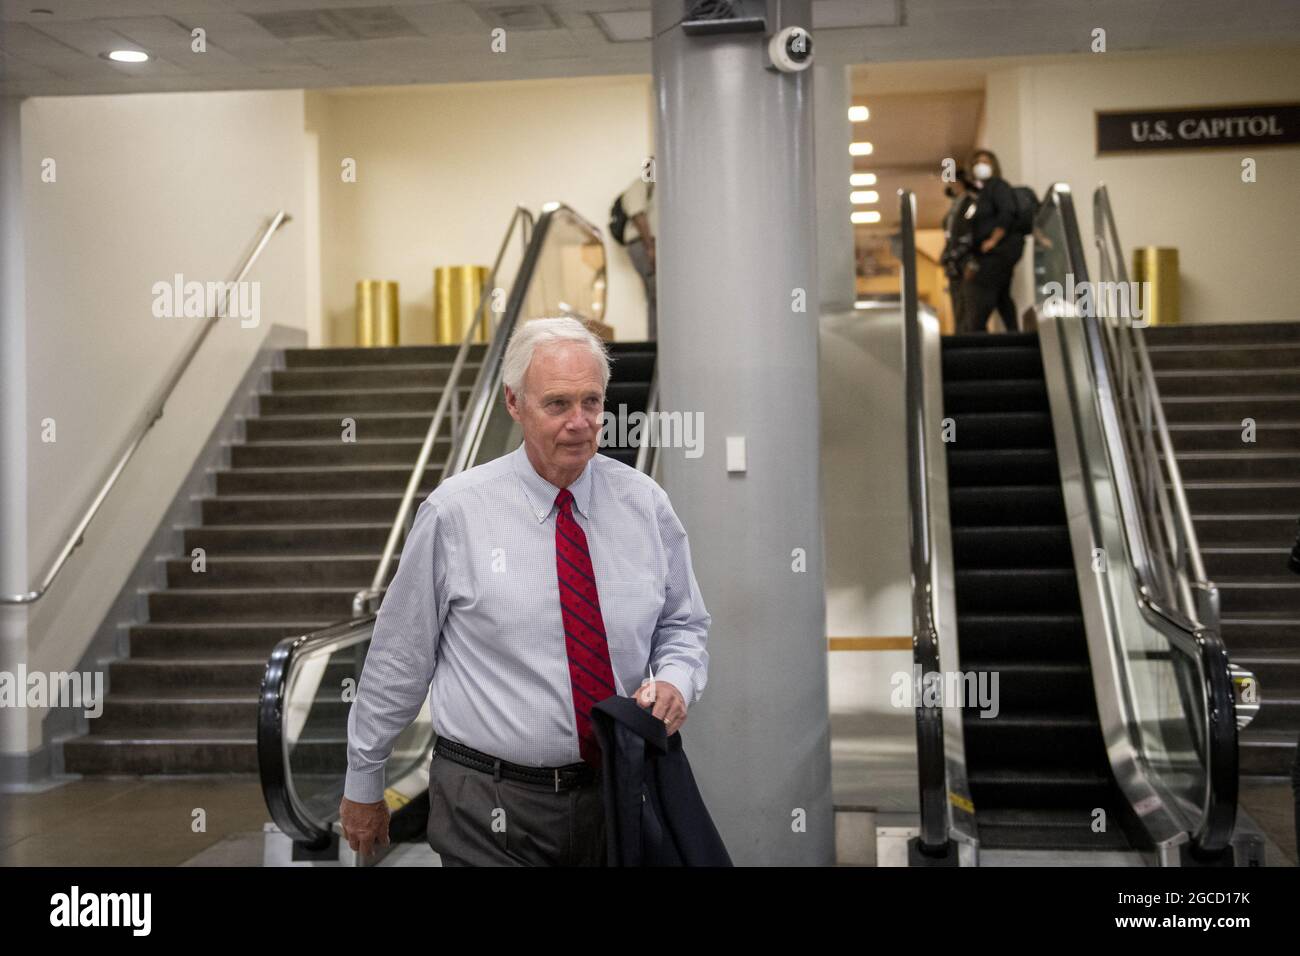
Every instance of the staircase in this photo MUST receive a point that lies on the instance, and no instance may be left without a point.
(294, 527)
(1037, 770)
(1244, 498)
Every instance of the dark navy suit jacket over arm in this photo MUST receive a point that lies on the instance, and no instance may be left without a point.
(654, 815)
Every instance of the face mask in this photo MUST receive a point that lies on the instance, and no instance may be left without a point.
(983, 171)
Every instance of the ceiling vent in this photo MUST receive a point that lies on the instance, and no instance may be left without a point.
(519, 16)
(344, 23)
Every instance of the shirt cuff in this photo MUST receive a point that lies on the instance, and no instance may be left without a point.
(362, 787)
(679, 675)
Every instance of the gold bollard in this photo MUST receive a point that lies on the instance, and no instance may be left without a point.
(377, 313)
(456, 291)
(1155, 268)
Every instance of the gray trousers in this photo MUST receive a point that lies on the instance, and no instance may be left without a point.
(641, 262)
(476, 820)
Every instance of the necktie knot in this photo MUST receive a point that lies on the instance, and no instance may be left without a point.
(563, 499)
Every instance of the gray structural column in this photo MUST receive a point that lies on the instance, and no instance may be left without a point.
(738, 315)
(13, 433)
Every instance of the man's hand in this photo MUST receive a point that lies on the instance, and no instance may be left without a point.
(365, 825)
(667, 702)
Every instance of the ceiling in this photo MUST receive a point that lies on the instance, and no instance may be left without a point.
(54, 47)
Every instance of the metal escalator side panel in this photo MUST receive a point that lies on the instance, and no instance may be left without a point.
(1096, 541)
(947, 811)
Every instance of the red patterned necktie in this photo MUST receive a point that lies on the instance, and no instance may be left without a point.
(590, 672)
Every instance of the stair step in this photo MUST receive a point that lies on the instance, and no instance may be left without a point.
(1220, 356)
(1231, 409)
(1058, 829)
(989, 591)
(1223, 333)
(332, 451)
(322, 428)
(178, 640)
(348, 356)
(340, 539)
(990, 361)
(1006, 505)
(1255, 530)
(250, 604)
(1012, 546)
(1244, 562)
(173, 752)
(127, 714)
(1023, 687)
(295, 571)
(1039, 637)
(1002, 466)
(1245, 597)
(1266, 753)
(1048, 788)
(1276, 379)
(996, 395)
(1238, 465)
(1243, 496)
(371, 400)
(361, 377)
(300, 509)
(1269, 436)
(255, 481)
(987, 430)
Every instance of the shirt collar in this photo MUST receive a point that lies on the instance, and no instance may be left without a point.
(541, 493)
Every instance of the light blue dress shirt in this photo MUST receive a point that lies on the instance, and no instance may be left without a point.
(472, 616)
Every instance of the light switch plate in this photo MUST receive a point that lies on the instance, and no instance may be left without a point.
(735, 453)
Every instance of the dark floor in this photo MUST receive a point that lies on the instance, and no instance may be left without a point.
(149, 821)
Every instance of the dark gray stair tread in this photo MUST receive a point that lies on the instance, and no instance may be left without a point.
(1222, 332)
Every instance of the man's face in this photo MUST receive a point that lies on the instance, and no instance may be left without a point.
(560, 410)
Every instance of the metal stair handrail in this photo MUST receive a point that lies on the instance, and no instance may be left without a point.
(152, 414)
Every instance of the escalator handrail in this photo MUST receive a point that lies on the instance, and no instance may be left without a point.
(273, 768)
(488, 385)
(366, 600)
(931, 765)
(1197, 639)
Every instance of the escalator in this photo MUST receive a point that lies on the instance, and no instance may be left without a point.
(1057, 586)
(302, 729)
(1037, 763)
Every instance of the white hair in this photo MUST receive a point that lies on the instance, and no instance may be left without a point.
(530, 336)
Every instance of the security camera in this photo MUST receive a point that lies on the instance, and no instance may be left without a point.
(790, 50)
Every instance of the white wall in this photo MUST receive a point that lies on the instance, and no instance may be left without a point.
(1234, 239)
(147, 186)
(440, 169)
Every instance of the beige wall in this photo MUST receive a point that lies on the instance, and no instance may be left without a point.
(146, 186)
(1234, 239)
(440, 169)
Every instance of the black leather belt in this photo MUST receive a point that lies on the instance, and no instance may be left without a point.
(567, 777)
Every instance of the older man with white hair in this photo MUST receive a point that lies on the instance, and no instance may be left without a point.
(530, 588)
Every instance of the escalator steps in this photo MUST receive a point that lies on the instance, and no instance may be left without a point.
(1037, 765)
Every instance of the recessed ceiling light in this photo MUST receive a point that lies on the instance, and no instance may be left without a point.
(859, 149)
(864, 218)
(126, 56)
(859, 114)
(864, 197)
(862, 179)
